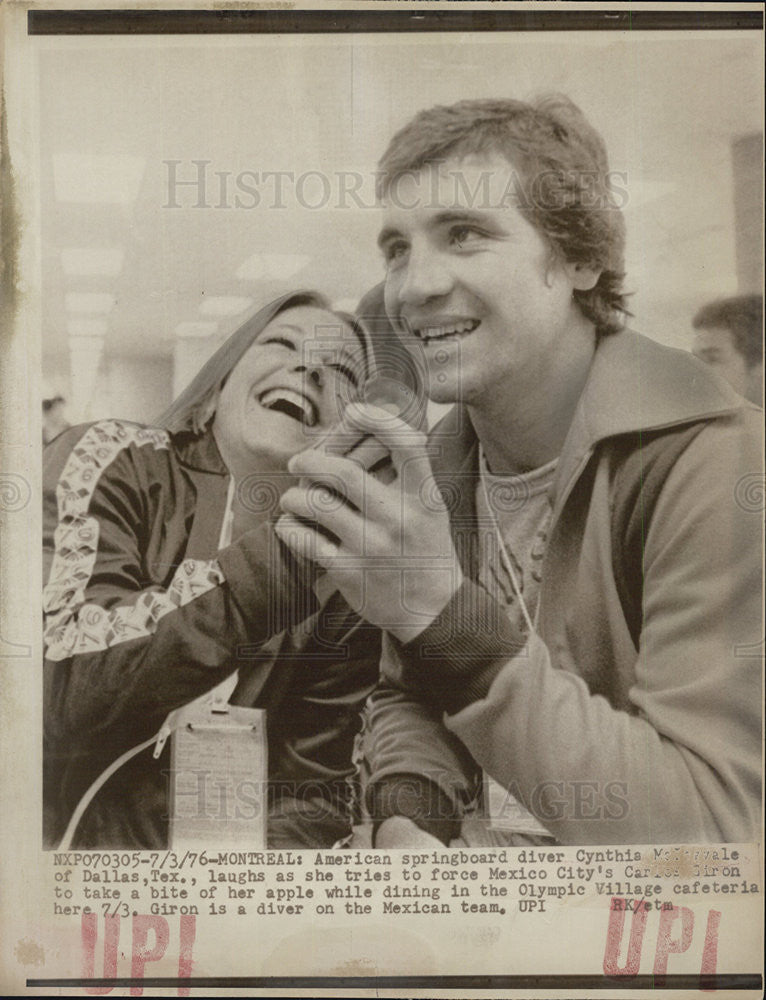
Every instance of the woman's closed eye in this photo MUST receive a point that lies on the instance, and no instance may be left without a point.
(282, 341)
(346, 373)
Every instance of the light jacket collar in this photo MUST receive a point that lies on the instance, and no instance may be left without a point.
(634, 384)
(637, 384)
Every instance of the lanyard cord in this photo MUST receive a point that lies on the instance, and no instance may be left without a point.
(96, 786)
(168, 725)
(503, 551)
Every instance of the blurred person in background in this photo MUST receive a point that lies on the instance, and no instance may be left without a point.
(729, 338)
(54, 414)
(163, 579)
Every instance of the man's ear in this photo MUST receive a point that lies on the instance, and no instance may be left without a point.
(582, 276)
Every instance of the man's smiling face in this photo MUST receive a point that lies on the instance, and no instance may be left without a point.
(291, 385)
(482, 296)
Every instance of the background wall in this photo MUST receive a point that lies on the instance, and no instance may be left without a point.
(163, 225)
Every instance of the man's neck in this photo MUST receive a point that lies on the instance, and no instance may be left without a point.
(523, 430)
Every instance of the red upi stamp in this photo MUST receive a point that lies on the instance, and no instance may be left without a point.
(677, 932)
(152, 940)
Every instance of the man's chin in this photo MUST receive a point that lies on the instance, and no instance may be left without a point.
(442, 387)
(442, 395)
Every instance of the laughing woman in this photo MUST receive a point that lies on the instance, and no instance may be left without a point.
(164, 580)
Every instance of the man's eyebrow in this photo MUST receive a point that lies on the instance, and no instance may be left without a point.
(460, 215)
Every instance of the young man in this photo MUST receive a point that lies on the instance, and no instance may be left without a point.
(575, 609)
(729, 338)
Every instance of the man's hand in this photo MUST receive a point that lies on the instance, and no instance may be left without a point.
(394, 561)
(398, 831)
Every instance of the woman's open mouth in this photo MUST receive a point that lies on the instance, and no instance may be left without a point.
(293, 404)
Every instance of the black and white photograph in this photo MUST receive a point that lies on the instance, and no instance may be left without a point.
(382, 498)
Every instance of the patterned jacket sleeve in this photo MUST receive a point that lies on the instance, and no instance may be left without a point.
(122, 650)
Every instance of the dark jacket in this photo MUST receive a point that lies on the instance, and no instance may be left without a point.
(144, 613)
